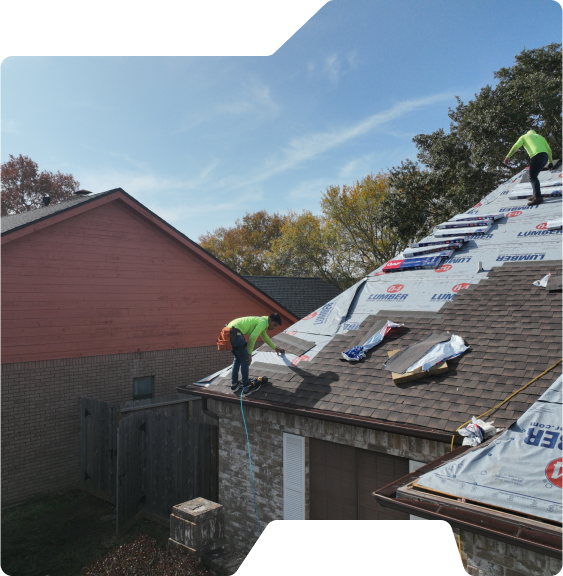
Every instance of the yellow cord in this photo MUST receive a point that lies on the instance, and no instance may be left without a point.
(459, 547)
(504, 401)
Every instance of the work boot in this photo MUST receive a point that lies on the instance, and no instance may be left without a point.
(530, 198)
(251, 388)
(535, 201)
(236, 387)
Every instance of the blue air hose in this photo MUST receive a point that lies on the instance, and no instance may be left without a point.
(250, 462)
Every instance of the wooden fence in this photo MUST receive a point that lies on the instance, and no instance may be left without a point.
(145, 456)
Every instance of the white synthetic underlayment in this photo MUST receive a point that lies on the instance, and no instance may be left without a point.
(518, 234)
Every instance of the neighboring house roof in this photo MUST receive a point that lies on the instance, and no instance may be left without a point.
(19, 225)
(300, 295)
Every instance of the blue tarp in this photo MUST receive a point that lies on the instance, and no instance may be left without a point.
(521, 470)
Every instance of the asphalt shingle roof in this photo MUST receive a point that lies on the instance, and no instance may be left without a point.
(512, 327)
(300, 296)
(10, 223)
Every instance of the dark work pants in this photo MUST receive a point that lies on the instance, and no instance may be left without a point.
(240, 353)
(537, 162)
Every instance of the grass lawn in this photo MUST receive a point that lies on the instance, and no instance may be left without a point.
(58, 535)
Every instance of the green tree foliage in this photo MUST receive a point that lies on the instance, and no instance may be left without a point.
(347, 241)
(24, 187)
(456, 169)
(245, 247)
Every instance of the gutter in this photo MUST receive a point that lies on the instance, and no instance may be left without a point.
(339, 418)
(532, 535)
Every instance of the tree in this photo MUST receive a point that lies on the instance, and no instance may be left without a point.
(23, 187)
(307, 246)
(354, 213)
(245, 247)
(350, 239)
(458, 168)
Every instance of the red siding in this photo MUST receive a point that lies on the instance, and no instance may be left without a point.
(107, 281)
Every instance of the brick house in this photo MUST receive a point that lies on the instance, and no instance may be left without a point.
(325, 434)
(101, 298)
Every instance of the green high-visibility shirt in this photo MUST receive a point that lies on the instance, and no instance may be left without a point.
(253, 326)
(534, 144)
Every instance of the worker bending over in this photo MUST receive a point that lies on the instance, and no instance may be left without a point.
(251, 326)
(539, 152)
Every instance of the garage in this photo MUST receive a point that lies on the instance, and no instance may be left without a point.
(342, 479)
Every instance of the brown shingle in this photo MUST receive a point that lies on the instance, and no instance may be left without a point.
(514, 332)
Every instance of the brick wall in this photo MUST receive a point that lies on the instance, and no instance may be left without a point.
(40, 408)
(265, 430)
(487, 557)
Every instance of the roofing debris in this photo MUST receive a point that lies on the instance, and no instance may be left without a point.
(373, 338)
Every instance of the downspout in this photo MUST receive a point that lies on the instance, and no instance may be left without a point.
(206, 410)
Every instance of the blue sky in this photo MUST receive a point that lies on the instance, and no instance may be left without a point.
(202, 140)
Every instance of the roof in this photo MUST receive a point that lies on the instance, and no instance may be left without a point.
(300, 295)
(18, 225)
(483, 293)
(513, 330)
(16, 221)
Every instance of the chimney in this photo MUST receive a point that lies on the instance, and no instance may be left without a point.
(46, 200)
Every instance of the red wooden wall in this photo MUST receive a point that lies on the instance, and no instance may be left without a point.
(107, 281)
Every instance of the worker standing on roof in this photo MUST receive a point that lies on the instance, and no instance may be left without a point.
(540, 153)
(251, 326)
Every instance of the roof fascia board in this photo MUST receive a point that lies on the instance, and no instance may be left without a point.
(477, 527)
(360, 422)
(195, 249)
(387, 497)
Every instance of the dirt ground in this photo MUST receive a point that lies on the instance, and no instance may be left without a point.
(58, 535)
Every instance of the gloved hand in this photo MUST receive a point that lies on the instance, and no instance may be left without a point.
(550, 166)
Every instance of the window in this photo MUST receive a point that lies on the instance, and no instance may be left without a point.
(143, 387)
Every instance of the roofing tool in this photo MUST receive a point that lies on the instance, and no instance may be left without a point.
(469, 230)
(547, 192)
(554, 224)
(444, 250)
(465, 224)
(476, 217)
(412, 264)
(442, 242)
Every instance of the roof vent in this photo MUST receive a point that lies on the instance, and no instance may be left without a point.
(46, 200)
(82, 192)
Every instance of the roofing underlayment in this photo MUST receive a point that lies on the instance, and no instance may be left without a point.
(515, 232)
(520, 470)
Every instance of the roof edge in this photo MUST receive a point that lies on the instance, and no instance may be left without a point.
(362, 422)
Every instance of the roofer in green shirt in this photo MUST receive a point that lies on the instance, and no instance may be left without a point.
(251, 326)
(540, 153)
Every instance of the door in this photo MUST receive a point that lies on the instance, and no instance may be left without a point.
(342, 479)
(332, 481)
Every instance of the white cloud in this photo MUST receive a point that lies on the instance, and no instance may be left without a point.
(334, 66)
(9, 127)
(255, 100)
(361, 165)
(306, 148)
(141, 183)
